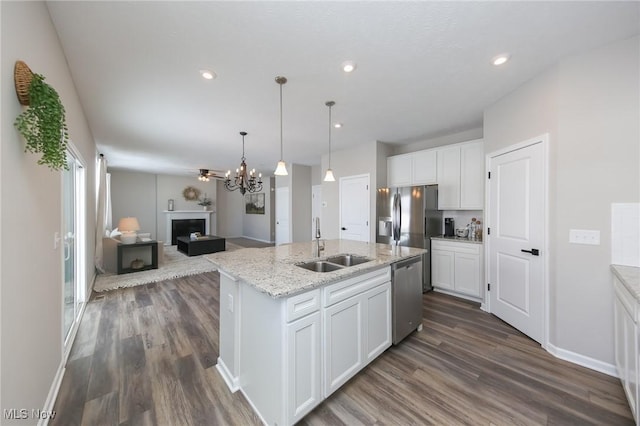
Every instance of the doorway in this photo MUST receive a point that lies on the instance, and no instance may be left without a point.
(74, 248)
(517, 236)
(282, 215)
(355, 208)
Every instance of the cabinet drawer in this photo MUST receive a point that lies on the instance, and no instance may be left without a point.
(302, 304)
(456, 246)
(626, 299)
(343, 290)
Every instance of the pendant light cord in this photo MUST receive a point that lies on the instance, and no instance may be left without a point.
(281, 157)
(330, 135)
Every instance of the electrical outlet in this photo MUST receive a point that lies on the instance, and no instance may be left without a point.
(230, 301)
(584, 236)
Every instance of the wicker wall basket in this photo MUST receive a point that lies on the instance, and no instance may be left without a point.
(22, 76)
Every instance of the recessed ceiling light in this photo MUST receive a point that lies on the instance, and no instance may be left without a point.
(349, 66)
(208, 75)
(500, 59)
(337, 125)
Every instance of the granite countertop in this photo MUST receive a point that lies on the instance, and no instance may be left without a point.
(457, 239)
(273, 270)
(630, 278)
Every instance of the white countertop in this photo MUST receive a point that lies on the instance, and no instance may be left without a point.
(630, 278)
(273, 270)
(456, 239)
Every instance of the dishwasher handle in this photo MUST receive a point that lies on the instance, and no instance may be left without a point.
(404, 263)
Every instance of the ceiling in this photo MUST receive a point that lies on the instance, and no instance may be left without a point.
(423, 70)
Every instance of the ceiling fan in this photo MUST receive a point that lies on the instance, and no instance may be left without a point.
(205, 175)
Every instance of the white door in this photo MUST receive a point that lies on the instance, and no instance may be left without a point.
(377, 321)
(354, 208)
(516, 240)
(282, 216)
(316, 208)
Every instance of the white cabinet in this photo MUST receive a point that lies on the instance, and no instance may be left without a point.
(449, 178)
(472, 176)
(626, 343)
(461, 176)
(303, 367)
(456, 268)
(399, 170)
(416, 168)
(357, 325)
(424, 167)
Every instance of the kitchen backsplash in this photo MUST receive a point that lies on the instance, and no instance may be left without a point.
(462, 218)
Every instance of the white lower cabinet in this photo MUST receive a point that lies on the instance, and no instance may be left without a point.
(356, 329)
(625, 310)
(303, 367)
(281, 352)
(456, 268)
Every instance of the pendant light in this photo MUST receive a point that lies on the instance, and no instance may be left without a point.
(328, 177)
(281, 169)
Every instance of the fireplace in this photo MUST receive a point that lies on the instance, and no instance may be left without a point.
(207, 216)
(184, 228)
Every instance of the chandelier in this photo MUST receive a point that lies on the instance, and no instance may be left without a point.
(243, 181)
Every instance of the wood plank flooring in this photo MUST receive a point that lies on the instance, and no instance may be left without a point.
(146, 356)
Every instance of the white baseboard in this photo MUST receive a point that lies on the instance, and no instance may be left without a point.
(255, 410)
(228, 378)
(582, 360)
(454, 294)
(57, 380)
(258, 239)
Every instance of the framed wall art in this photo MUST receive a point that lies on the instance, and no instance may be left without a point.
(254, 203)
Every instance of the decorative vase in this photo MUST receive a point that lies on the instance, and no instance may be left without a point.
(205, 208)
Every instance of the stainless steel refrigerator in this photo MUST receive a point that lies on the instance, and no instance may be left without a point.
(409, 216)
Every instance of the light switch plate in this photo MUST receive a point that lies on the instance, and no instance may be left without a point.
(584, 236)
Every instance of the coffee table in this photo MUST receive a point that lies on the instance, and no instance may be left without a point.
(203, 245)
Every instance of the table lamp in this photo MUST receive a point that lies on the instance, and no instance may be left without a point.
(128, 226)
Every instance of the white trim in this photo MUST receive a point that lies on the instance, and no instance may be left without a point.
(255, 410)
(232, 383)
(582, 360)
(255, 239)
(459, 295)
(544, 140)
(57, 380)
(209, 221)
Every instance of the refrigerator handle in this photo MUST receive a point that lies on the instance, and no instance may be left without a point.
(425, 226)
(395, 218)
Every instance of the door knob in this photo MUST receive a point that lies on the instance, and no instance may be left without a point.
(343, 228)
(534, 252)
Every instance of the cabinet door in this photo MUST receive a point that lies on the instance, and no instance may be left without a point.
(467, 274)
(303, 366)
(448, 172)
(343, 343)
(377, 321)
(424, 167)
(399, 170)
(472, 176)
(442, 269)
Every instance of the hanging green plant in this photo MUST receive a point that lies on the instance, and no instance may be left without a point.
(43, 124)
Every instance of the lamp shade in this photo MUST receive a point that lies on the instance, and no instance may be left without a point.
(281, 170)
(128, 224)
(329, 176)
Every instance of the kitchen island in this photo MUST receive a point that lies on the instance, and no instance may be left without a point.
(289, 337)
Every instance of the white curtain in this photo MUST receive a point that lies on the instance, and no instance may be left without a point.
(103, 211)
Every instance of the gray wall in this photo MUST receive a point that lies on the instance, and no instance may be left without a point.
(448, 139)
(259, 226)
(230, 211)
(31, 212)
(300, 203)
(146, 195)
(590, 107)
(361, 159)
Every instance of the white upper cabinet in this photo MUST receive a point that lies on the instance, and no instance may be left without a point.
(399, 170)
(423, 167)
(449, 178)
(461, 176)
(472, 176)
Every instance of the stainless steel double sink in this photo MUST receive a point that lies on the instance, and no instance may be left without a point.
(334, 263)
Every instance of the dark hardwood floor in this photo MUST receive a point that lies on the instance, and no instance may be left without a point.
(146, 356)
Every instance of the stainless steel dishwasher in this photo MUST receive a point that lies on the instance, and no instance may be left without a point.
(406, 284)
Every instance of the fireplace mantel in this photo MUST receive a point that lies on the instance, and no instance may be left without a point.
(207, 215)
